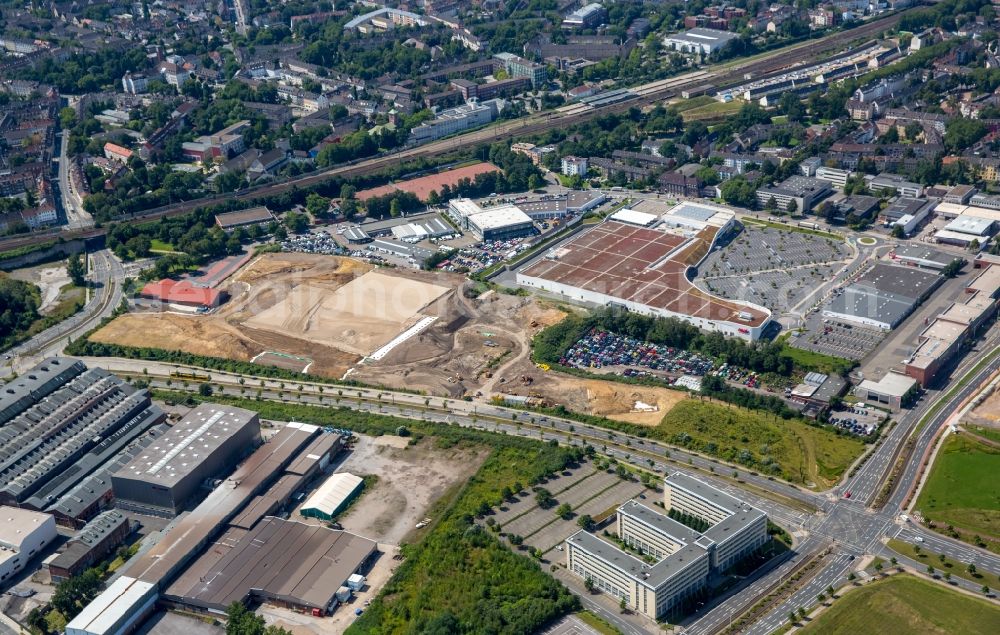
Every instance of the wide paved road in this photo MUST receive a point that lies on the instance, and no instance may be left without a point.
(105, 276)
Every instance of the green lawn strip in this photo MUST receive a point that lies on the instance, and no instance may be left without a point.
(791, 228)
(596, 623)
(962, 488)
(459, 577)
(17, 252)
(948, 565)
(905, 604)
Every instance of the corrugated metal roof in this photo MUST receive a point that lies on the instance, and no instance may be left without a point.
(120, 599)
(279, 559)
(161, 563)
(333, 493)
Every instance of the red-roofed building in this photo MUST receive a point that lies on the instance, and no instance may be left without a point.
(116, 152)
(184, 293)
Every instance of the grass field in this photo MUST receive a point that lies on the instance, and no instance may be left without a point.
(159, 245)
(695, 102)
(987, 433)
(905, 604)
(764, 442)
(962, 489)
(714, 110)
(811, 360)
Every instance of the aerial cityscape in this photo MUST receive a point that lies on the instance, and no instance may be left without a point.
(499, 317)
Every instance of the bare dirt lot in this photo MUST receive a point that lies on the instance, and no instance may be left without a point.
(357, 317)
(987, 413)
(49, 278)
(642, 405)
(410, 479)
(470, 341)
(264, 312)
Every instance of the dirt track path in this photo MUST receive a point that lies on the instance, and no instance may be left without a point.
(524, 344)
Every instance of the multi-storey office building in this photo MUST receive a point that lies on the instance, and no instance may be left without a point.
(672, 561)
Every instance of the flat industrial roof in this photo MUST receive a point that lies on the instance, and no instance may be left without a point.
(122, 596)
(499, 217)
(244, 217)
(633, 217)
(640, 265)
(314, 453)
(188, 535)
(279, 559)
(16, 524)
(904, 281)
(920, 253)
(947, 235)
(189, 442)
(970, 225)
(700, 36)
(987, 282)
(865, 302)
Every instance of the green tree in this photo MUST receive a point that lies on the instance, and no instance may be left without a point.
(316, 204)
(544, 498)
(296, 223)
(76, 270)
(585, 522)
(564, 511)
(205, 389)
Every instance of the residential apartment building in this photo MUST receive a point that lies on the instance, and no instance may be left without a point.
(519, 67)
(574, 166)
(682, 558)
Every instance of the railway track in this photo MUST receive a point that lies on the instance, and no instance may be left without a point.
(644, 95)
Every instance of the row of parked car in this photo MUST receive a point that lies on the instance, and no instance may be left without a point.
(852, 425)
(600, 348)
(320, 242)
(738, 375)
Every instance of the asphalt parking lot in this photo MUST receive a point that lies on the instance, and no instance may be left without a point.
(773, 267)
(837, 338)
(857, 419)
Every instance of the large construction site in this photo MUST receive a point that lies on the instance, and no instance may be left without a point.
(340, 317)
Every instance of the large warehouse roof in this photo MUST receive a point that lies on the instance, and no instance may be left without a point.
(333, 493)
(278, 560)
(499, 217)
(191, 441)
(183, 540)
(867, 303)
(643, 266)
